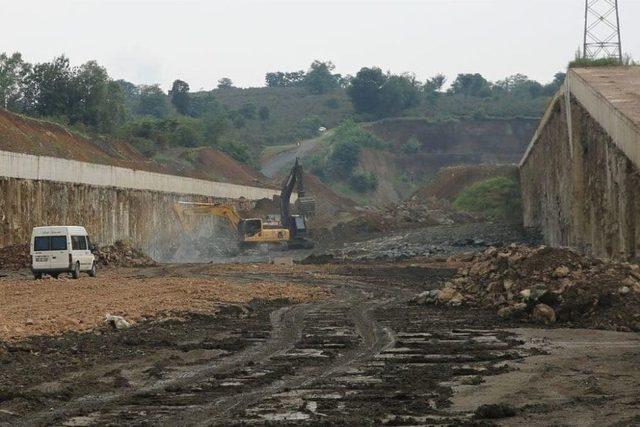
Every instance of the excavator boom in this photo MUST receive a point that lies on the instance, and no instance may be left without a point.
(182, 209)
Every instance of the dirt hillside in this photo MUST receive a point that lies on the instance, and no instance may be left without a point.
(30, 136)
(449, 182)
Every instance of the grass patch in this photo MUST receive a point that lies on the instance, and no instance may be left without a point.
(497, 199)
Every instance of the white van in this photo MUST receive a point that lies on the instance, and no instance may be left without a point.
(61, 249)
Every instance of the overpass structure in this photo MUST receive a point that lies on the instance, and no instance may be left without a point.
(580, 175)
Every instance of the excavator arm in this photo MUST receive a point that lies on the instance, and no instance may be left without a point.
(296, 224)
(184, 209)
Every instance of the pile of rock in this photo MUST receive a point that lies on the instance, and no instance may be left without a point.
(546, 285)
(122, 254)
(15, 257)
(420, 212)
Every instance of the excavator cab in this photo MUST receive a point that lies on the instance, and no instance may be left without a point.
(249, 227)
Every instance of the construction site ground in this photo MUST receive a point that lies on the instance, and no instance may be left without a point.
(342, 343)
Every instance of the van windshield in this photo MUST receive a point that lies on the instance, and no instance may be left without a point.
(50, 243)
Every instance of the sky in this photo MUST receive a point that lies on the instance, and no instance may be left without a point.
(158, 41)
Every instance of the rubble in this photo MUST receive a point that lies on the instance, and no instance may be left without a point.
(122, 254)
(546, 286)
(15, 257)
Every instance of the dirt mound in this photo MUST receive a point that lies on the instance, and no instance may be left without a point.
(547, 285)
(15, 257)
(225, 167)
(449, 182)
(122, 254)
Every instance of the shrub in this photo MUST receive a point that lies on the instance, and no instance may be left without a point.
(497, 199)
(412, 146)
(332, 103)
(344, 158)
(363, 182)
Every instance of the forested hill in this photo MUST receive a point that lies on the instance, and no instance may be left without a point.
(292, 106)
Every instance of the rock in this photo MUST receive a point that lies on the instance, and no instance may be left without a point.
(450, 296)
(283, 260)
(538, 291)
(513, 311)
(29, 322)
(428, 297)
(525, 294)
(495, 411)
(117, 322)
(561, 272)
(490, 251)
(544, 314)
(624, 290)
(507, 284)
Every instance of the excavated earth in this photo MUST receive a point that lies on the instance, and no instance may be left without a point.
(355, 351)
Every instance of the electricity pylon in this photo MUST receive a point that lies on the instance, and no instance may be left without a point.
(602, 30)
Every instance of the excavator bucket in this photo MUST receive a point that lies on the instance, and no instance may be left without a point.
(307, 205)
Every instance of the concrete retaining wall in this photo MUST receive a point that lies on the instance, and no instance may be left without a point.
(26, 166)
(113, 203)
(580, 189)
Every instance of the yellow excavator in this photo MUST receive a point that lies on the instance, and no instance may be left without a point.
(290, 230)
(250, 231)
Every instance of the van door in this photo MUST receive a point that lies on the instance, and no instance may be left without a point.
(81, 252)
(59, 252)
(41, 253)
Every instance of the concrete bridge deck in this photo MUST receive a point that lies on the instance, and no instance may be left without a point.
(619, 86)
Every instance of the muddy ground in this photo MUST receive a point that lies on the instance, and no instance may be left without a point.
(362, 355)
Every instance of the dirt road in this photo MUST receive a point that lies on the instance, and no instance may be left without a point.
(364, 355)
(278, 163)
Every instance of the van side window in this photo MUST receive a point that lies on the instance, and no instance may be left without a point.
(58, 243)
(78, 243)
(50, 243)
(41, 244)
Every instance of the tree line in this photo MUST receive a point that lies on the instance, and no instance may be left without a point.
(87, 97)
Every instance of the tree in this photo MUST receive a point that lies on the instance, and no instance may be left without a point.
(558, 80)
(471, 85)
(320, 79)
(13, 70)
(264, 113)
(397, 94)
(248, 110)
(180, 97)
(225, 83)
(364, 89)
(280, 79)
(95, 100)
(344, 158)
(153, 102)
(435, 83)
(47, 88)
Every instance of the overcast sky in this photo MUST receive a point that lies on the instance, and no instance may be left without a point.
(201, 41)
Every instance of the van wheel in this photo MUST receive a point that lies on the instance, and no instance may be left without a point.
(76, 271)
(93, 272)
(37, 276)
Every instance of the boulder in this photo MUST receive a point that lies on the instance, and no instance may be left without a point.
(117, 322)
(561, 272)
(544, 314)
(450, 296)
(513, 311)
